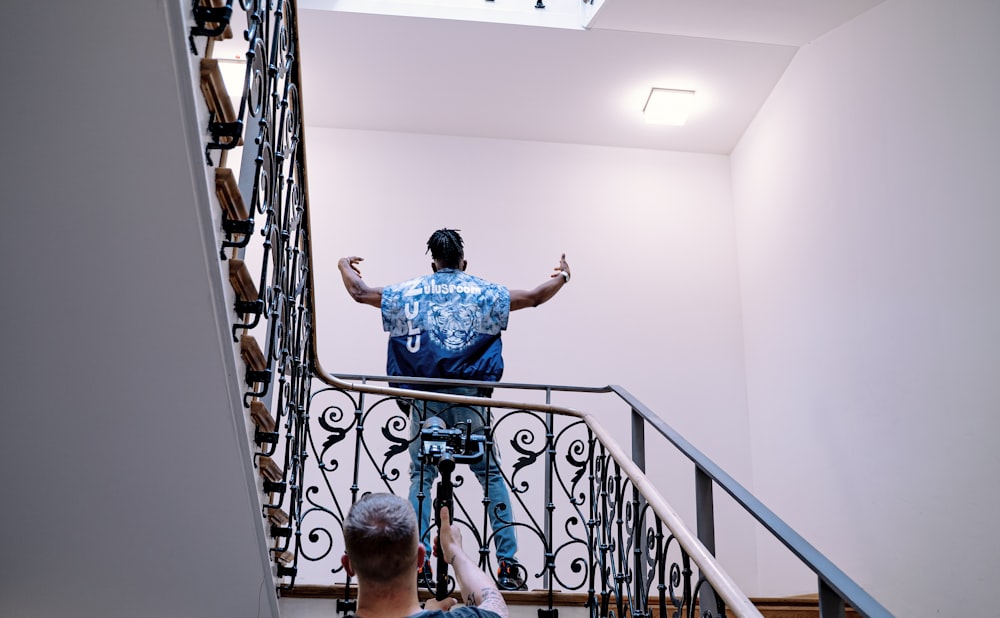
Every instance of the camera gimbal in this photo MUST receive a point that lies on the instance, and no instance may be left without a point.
(443, 447)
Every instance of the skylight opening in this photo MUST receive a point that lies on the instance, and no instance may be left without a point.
(567, 14)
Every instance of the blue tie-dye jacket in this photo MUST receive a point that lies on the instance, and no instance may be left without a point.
(445, 325)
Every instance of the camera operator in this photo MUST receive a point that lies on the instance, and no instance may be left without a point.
(381, 549)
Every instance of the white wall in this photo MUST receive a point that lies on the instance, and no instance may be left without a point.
(653, 304)
(126, 471)
(869, 238)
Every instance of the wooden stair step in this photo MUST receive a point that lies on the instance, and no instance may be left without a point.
(214, 90)
(277, 516)
(224, 126)
(251, 354)
(242, 282)
(261, 416)
(255, 360)
(213, 19)
(269, 469)
(247, 300)
(228, 32)
(230, 199)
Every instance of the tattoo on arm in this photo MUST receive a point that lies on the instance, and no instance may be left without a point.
(491, 599)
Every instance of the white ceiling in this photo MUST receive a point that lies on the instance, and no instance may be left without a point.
(587, 86)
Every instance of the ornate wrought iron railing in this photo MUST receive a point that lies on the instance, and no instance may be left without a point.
(589, 519)
(263, 227)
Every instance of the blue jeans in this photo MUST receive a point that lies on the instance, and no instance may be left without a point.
(422, 475)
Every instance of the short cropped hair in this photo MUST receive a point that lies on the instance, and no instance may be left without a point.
(447, 247)
(380, 537)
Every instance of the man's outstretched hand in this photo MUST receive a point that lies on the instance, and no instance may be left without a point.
(562, 268)
(352, 262)
(353, 283)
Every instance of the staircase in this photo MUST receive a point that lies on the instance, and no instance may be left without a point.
(264, 309)
(604, 541)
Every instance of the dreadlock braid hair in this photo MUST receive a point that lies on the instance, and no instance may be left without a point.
(446, 247)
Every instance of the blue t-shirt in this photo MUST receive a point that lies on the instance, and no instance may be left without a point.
(445, 325)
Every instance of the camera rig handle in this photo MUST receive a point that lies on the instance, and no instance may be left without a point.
(444, 499)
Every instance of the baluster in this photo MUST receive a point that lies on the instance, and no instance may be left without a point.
(639, 458)
(661, 569)
(550, 462)
(592, 524)
(705, 516)
(830, 603)
(359, 438)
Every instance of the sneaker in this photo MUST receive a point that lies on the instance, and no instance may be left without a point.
(425, 576)
(510, 576)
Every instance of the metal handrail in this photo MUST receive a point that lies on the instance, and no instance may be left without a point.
(826, 570)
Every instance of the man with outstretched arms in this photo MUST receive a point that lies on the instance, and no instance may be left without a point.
(447, 325)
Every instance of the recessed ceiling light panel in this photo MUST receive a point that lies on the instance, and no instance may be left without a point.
(668, 106)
